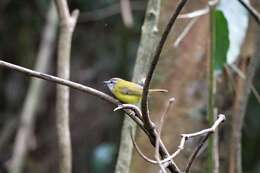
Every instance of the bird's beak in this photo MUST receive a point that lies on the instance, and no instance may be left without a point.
(106, 82)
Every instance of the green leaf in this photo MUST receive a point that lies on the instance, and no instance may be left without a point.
(220, 39)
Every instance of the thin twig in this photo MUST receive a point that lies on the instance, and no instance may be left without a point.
(255, 92)
(216, 147)
(139, 150)
(172, 166)
(162, 148)
(221, 118)
(74, 85)
(185, 32)
(158, 136)
(61, 81)
(200, 12)
(147, 158)
(131, 107)
(243, 76)
(185, 137)
(254, 13)
(208, 132)
(237, 70)
(194, 14)
(195, 152)
(151, 160)
(126, 12)
(144, 106)
(137, 116)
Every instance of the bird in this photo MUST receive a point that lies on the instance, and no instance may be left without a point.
(126, 91)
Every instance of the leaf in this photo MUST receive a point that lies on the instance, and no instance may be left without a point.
(238, 19)
(220, 39)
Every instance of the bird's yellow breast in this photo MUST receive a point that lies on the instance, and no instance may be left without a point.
(127, 98)
(127, 92)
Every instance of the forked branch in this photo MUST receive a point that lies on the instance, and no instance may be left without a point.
(205, 133)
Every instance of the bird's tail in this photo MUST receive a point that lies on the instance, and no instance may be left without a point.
(158, 90)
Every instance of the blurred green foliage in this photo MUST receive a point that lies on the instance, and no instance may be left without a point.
(220, 39)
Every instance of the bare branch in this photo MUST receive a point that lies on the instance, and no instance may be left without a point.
(194, 14)
(254, 13)
(74, 85)
(221, 118)
(158, 136)
(144, 106)
(140, 152)
(148, 41)
(148, 124)
(136, 115)
(243, 76)
(60, 81)
(150, 36)
(207, 132)
(67, 26)
(62, 9)
(131, 107)
(254, 91)
(195, 152)
(215, 147)
(162, 167)
(185, 137)
(160, 146)
(33, 97)
(185, 32)
(126, 12)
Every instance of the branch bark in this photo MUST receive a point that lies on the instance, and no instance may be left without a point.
(239, 108)
(211, 80)
(34, 95)
(126, 13)
(254, 13)
(149, 40)
(151, 17)
(67, 25)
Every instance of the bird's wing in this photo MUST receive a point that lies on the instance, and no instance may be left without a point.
(131, 90)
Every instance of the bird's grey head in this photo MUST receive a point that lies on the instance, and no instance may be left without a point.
(111, 83)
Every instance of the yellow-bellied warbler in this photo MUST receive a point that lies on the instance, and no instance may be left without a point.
(126, 91)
